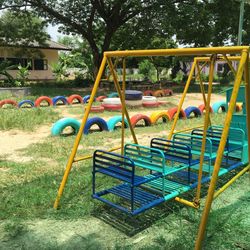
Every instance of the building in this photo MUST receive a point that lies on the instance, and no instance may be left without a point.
(39, 57)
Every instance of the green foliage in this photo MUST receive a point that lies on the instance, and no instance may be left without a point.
(4, 67)
(22, 75)
(146, 68)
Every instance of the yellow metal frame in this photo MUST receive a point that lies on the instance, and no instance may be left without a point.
(207, 55)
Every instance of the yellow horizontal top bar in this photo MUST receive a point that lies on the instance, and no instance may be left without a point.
(177, 52)
(220, 58)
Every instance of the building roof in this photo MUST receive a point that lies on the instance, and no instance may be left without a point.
(47, 45)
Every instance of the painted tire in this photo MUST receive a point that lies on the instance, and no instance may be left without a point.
(112, 122)
(148, 93)
(193, 110)
(59, 98)
(159, 93)
(71, 99)
(86, 98)
(133, 103)
(100, 98)
(173, 111)
(112, 101)
(112, 107)
(95, 121)
(113, 94)
(238, 107)
(29, 102)
(149, 99)
(202, 108)
(133, 95)
(220, 105)
(41, 99)
(168, 92)
(8, 101)
(61, 124)
(136, 118)
(150, 104)
(156, 115)
(96, 109)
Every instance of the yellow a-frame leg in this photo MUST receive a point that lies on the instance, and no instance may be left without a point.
(211, 190)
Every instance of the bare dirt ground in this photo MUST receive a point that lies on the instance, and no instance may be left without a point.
(11, 142)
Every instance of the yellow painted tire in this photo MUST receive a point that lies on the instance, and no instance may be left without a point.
(155, 116)
(159, 93)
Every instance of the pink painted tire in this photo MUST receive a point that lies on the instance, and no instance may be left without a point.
(148, 93)
(202, 108)
(41, 99)
(112, 107)
(96, 109)
(168, 92)
(173, 111)
(71, 99)
(8, 101)
(136, 118)
(100, 98)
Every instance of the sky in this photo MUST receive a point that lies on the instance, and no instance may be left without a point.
(52, 30)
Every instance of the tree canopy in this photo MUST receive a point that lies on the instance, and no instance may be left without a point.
(132, 24)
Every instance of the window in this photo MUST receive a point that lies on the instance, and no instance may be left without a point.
(40, 64)
(13, 61)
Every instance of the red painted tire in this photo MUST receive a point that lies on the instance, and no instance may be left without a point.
(71, 99)
(8, 101)
(202, 108)
(148, 93)
(112, 107)
(150, 104)
(136, 118)
(173, 111)
(168, 92)
(96, 109)
(41, 99)
(159, 93)
(100, 98)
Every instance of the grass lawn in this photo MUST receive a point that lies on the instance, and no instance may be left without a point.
(28, 190)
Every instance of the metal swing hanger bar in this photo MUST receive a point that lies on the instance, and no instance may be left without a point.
(178, 52)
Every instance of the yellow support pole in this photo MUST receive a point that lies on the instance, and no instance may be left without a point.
(115, 64)
(220, 151)
(228, 184)
(202, 88)
(247, 96)
(206, 123)
(120, 95)
(230, 64)
(187, 203)
(79, 134)
(123, 101)
(182, 100)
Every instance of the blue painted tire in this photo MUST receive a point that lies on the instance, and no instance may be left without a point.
(112, 122)
(86, 98)
(58, 98)
(113, 94)
(29, 102)
(220, 105)
(133, 95)
(193, 110)
(102, 124)
(61, 124)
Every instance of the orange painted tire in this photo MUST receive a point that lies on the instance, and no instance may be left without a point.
(136, 118)
(8, 101)
(41, 99)
(173, 111)
(112, 107)
(150, 104)
(202, 108)
(168, 92)
(159, 93)
(71, 99)
(96, 109)
(100, 98)
(156, 115)
(148, 93)
(238, 107)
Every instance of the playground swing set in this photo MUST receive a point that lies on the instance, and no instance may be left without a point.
(169, 167)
